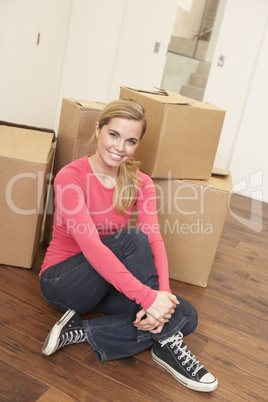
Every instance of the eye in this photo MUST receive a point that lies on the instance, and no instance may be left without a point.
(132, 142)
(112, 134)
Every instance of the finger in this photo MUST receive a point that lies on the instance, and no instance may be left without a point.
(167, 316)
(162, 320)
(146, 328)
(158, 317)
(174, 299)
(150, 327)
(156, 330)
(140, 315)
(148, 324)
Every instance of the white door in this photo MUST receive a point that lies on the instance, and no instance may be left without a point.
(32, 44)
(141, 53)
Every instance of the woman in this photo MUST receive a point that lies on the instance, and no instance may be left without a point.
(96, 262)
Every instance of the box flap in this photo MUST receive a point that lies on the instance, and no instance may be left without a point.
(87, 104)
(26, 144)
(220, 172)
(172, 98)
(158, 91)
(220, 180)
(164, 96)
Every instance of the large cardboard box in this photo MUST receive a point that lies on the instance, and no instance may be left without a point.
(191, 216)
(26, 158)
(76, 127)
(182, 134)
(74, 140)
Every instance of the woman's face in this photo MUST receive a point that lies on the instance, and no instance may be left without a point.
(118, 140)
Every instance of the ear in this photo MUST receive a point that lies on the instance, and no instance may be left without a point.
(97, 129)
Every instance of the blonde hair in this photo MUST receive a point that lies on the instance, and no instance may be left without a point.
(128, 183)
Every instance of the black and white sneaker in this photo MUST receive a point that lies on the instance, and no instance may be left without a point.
(174, 356)
(69, 329)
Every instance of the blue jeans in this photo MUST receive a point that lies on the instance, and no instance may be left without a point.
(75, 284)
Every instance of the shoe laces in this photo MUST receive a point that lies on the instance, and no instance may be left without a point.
(72, 336)
(184, 353)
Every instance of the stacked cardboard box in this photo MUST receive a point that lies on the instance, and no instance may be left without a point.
(74, 140)
(26, 159)
(191, 218)
(182, 134)
(178, 152)
(76, 127)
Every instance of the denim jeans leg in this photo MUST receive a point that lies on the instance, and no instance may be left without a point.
(115, 336)
(73, 284)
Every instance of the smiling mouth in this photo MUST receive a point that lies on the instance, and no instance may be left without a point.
(114, 156)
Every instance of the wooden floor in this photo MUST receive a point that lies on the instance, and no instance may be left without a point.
(231, 338)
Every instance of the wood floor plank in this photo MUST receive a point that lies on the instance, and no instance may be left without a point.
(15, 385)
(53, 395)
(60, 371)
(257, 252)
(154, 382)
(33, 323)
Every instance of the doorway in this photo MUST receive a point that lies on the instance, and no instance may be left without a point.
(191, 47)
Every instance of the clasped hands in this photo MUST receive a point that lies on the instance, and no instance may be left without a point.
(154, 318)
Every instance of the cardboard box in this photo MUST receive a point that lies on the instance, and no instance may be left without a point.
(191, 217)
(76, 127)
(182, 134)
(26, 157)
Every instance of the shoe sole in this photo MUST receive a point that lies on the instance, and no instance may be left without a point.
(52, 340)
(201, 387)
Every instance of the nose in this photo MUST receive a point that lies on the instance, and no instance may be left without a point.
(120, 145)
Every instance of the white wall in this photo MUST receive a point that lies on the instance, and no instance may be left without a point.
(19, 28)
(92, 42)
(110, 43)
(29, 72)
(240, 87)
(249, 162)
(46, 77)
(145, 22)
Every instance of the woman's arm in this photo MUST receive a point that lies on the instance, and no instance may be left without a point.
(148, 223)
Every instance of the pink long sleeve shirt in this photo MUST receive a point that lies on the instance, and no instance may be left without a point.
(84, 214)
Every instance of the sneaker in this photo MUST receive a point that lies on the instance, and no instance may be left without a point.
(174, 356)
(69, 329)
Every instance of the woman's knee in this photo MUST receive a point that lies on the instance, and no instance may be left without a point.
(189, 311)
(135, 238)
(137, 256)
(192, 323)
